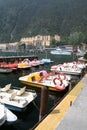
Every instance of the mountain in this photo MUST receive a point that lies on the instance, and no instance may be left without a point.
(24, 18)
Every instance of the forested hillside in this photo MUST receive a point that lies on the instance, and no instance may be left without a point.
(23, 18)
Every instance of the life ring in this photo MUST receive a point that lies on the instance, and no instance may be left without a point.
(62, 76)
(60, 88)
(59, 85)
(58, 75)
(59, 81)
(74, 66)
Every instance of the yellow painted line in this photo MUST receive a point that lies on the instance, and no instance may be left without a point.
(56, 116)
(86, 75)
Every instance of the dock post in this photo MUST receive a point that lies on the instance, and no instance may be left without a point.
(70, 86)
(43, 102)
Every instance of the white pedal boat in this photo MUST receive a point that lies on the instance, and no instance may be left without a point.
(16, 99)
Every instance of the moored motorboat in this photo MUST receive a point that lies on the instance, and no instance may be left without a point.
(42, 78)
(61, 51)
(16, 99)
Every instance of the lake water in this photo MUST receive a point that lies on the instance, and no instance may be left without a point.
(26, 120)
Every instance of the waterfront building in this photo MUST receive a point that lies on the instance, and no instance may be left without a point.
(12, 47)
(39, 41)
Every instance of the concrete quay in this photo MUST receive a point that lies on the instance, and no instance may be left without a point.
(71, 112)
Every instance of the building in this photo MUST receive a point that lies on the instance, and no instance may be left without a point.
(39, 41)
(12, 47)
(57, 38)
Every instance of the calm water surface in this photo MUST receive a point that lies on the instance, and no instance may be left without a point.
(26, 120)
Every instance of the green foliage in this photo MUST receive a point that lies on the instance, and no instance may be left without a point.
(85, 56)
(76, 38)
(23, 18)
(64, 39)
(53, 43)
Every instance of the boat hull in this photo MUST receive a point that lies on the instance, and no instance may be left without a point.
(69, 73)
(40, 85)
(18, 109)
(5, 70)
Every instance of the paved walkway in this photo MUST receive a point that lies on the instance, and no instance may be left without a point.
(76, 118)
(71, 113)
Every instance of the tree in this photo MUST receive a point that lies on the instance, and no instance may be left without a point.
(64, 40)
(53, 43)
(85, 56)
(76, 38)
